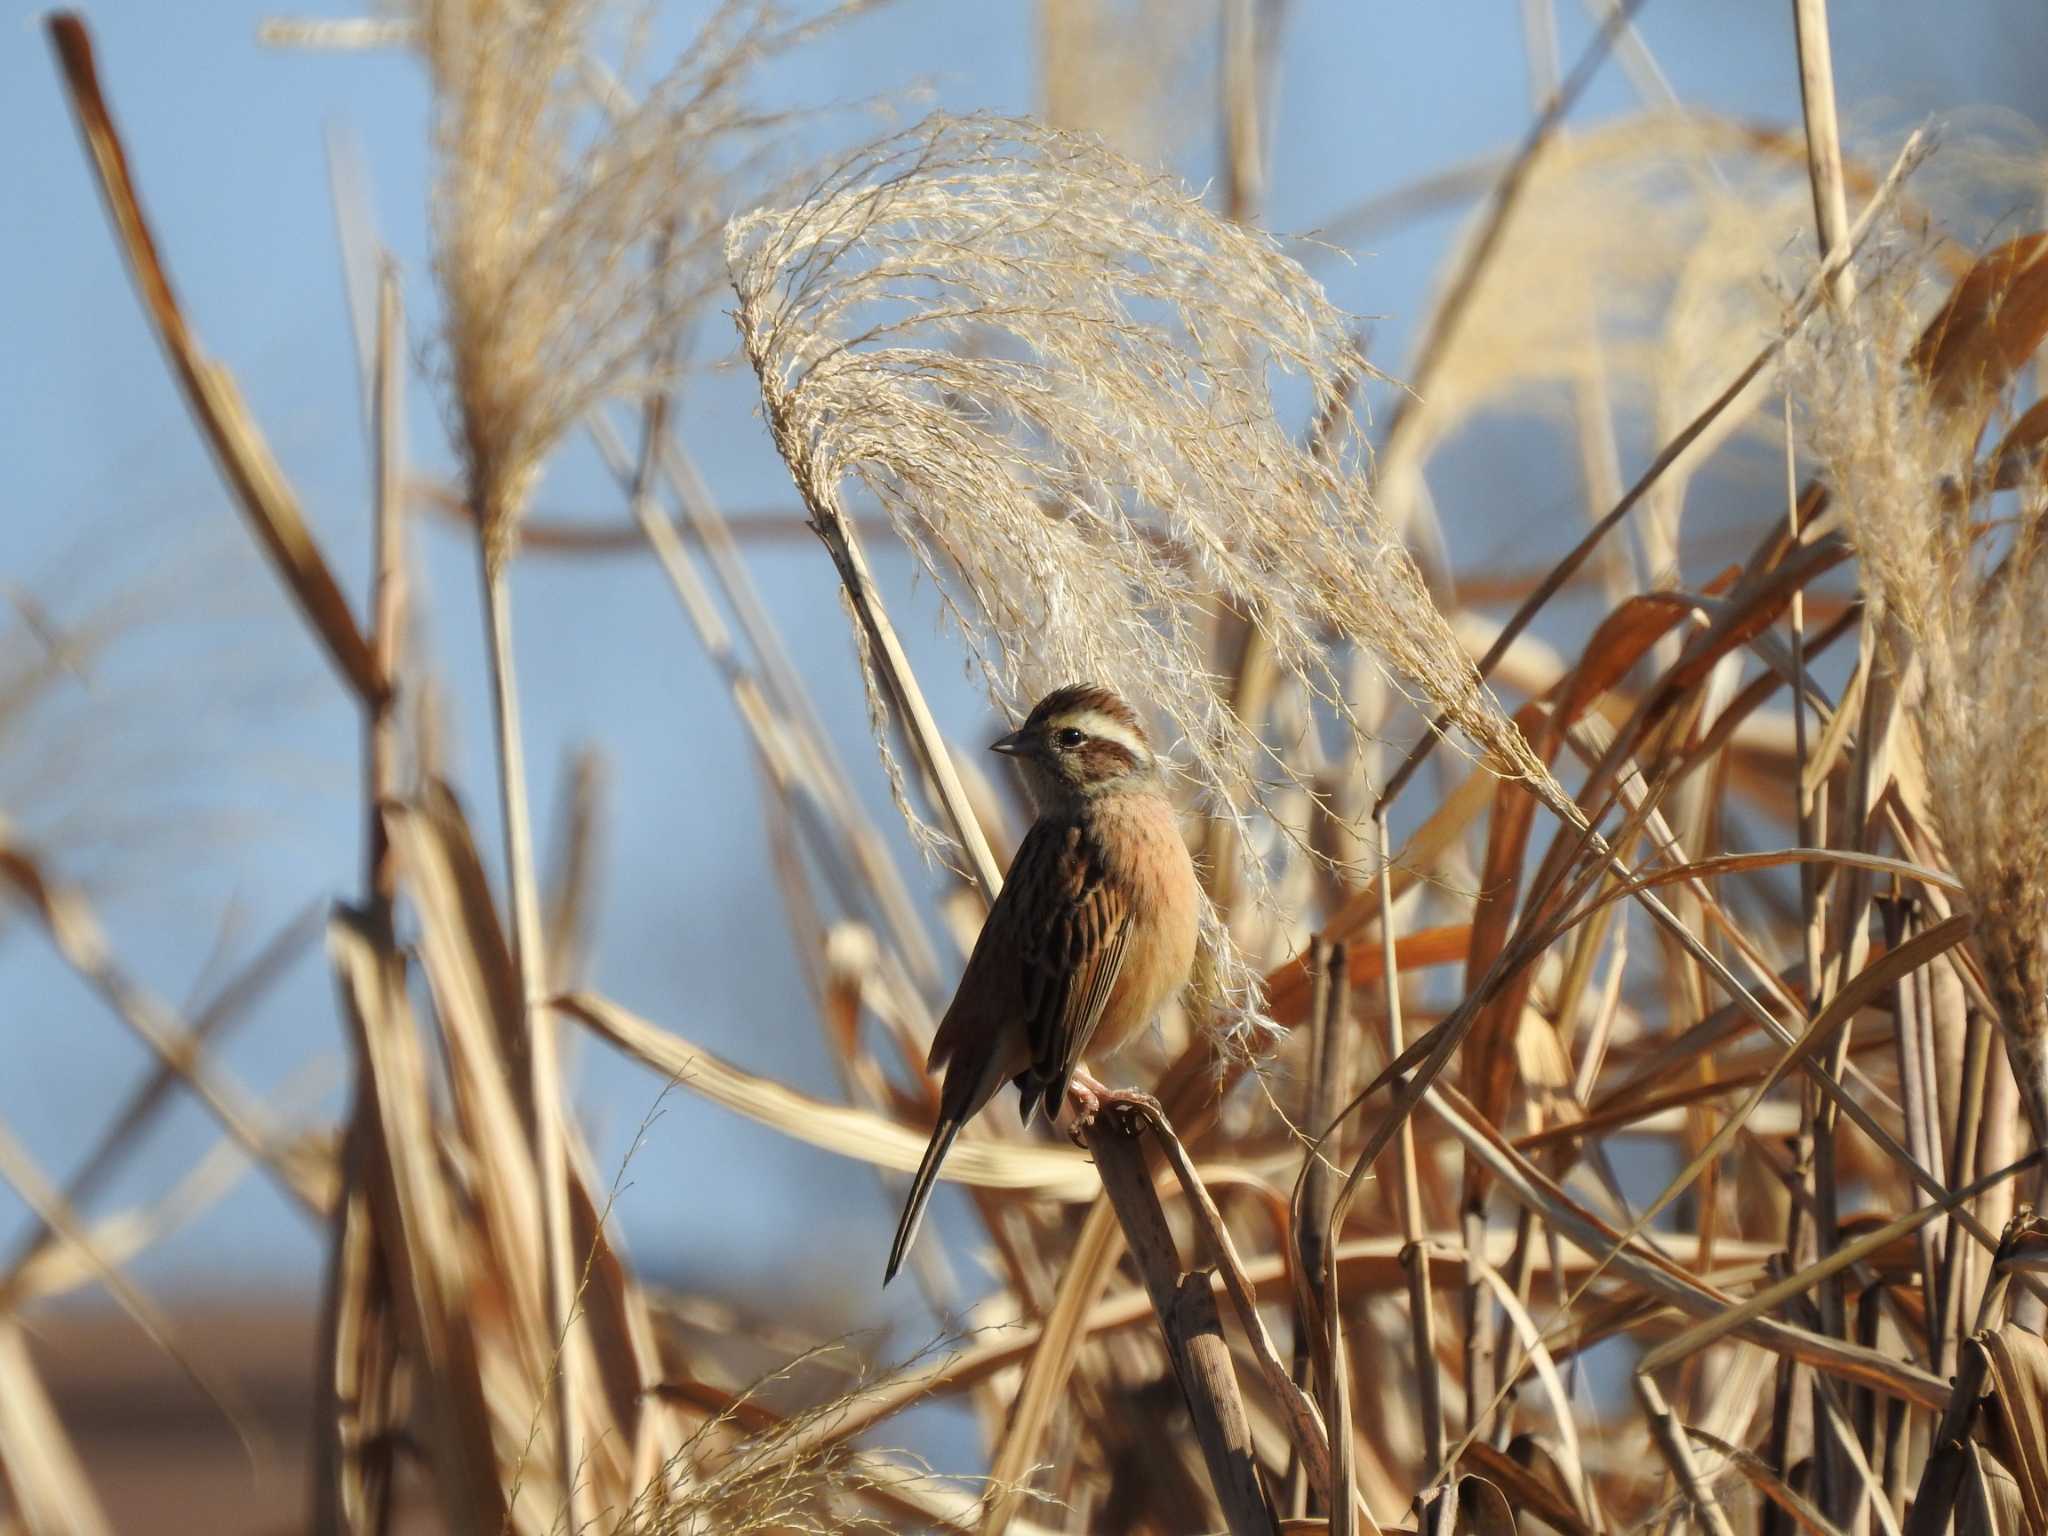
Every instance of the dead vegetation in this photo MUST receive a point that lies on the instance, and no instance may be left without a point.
(1593, 1129)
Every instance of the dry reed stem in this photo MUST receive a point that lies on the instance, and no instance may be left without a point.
(1656, 695)
(1656, 1274)
(771, 700)
(1414, 1256)
(545, 313)
(1672, 1444)
(229, 1005)
(20, 1172)
(1304, 1423)
(358, 1387)
(75, 933)
(543, 1088)
(1187, 1317)
(1823, 139)
(1445, 318)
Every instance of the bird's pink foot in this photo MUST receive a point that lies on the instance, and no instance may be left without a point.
(1088, 1096)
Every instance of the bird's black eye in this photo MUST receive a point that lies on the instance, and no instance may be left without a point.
(1070, 737)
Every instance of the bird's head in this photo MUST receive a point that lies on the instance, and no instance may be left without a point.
(1080, 742)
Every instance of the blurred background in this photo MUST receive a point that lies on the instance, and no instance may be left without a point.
(193, 770)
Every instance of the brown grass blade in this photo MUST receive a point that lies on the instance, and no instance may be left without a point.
(1848, 1254)
(1287, 986)
(1809, 299)
(1657, 1274)
(1048, 1172)
(76, 934)
(2017, 1362)
(1993, 320)
(245, 460)
(1529, 1491)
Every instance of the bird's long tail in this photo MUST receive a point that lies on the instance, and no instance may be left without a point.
(921, 1191)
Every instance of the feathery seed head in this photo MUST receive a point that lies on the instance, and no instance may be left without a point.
(575, 224)
(1064, 379)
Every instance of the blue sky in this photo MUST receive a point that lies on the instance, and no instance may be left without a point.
(230, 759)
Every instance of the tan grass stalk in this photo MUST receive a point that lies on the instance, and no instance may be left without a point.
(357, 1385)
(1414, 1254)
(1131, 72)
(1823, 138)
(40, 1466)
(121, 1138)
(1054, 1172)
(19, 1171)
(1450, 310)
(1656, 1274)
(772, 702)
(1187, 1315)
(1304, 1423)
(55, 1270)
(1673, 1444)
(543, 1088)
(413, 1209)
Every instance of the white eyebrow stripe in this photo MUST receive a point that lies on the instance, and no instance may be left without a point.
(1108, 728)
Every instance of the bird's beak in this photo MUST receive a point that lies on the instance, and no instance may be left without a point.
(1012, 745)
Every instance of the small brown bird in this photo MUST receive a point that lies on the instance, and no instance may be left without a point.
(1093, 932)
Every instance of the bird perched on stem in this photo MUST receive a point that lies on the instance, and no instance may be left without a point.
(1093, 932)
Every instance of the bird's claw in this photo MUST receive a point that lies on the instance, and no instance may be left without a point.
(1087, 1098)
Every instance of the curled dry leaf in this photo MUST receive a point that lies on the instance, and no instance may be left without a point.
(2018, 1414)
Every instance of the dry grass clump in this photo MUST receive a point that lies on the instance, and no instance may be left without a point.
(1955, 555)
